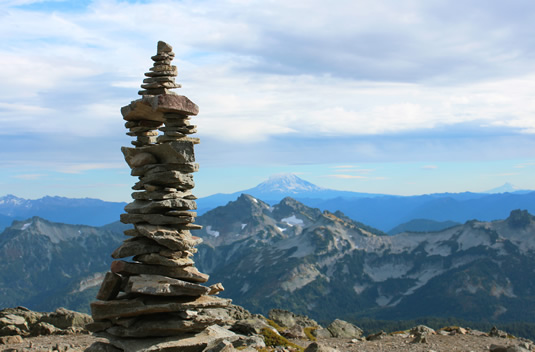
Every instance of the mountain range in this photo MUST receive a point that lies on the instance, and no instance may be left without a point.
(326, 265)
(291, 256)
(46, 265)
(86, 211)
(385, 212)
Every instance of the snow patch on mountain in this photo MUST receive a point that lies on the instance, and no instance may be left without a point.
(292, 220)
(211, 232)
(359, 287)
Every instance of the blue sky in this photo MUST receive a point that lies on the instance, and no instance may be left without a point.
(397, 97)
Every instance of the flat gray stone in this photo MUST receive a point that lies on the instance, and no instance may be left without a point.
(153, 107)
(102, 347)
(187, 273)
(161, 84)
(101, 310)
(155, 219)
(343, 329)
(162, 195)
(159, 206)
(187, 342)
(155, 168)
(110, 287)
(159, 325)
(168, 153)
(156, 259)
(180, 240)
(157, 285)
(137, 246)
(160, 79)
(142, 159)
(163, 47)
(177, 179)
(317, 347)
(159, 68)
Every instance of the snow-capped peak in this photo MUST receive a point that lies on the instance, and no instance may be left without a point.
(506, 187)
(286, 183)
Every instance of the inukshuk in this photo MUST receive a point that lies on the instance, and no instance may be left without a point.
(157, 299)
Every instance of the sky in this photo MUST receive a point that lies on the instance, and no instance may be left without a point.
(383, 96)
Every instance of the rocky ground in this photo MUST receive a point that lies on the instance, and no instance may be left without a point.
(399, 342)
(63, 330)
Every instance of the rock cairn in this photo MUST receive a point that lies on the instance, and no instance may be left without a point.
(157, 301)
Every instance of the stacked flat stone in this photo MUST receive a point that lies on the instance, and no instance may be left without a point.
(159, 294)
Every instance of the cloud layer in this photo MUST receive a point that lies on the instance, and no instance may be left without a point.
(332, 83)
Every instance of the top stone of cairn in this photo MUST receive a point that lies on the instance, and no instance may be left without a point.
(161, 76)
(163, 47)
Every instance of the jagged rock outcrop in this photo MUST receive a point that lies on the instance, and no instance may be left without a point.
(21, 321)
(288, 319)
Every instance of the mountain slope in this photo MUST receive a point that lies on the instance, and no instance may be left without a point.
(326, 265)
(46, 265)
(422, 225)
(87, 211)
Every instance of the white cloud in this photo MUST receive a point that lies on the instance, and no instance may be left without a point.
(347, 176)
(80, 168)
(524, 165)
(29, 176)
(260, 71)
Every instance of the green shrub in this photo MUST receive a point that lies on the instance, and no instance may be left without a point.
(308, 332)
(273, 340)
(275, 325)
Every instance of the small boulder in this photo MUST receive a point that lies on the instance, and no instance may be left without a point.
(316, 347)
(102, 347)
(11, 340)
(322, 333)
(377, 336)
(11, 324)
(295, 332)
(288, 319)
(251, 326)
(502, 348)
(43, 328)
(421, 329)
(495, 332)
(342, 329)
(256, 342)
(30, 316)
(222, 346)
(63, 319)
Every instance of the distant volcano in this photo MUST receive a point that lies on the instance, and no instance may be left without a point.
(286, 183)
(506, 188)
